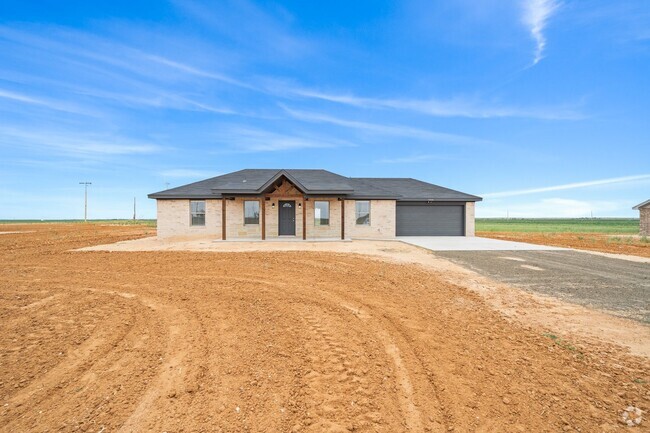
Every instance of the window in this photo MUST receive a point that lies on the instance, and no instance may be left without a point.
(251, 212)
(362, 215)
(321, 213)
(197, 213)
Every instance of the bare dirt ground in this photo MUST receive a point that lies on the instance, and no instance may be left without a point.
(307, 341)
(615, 244)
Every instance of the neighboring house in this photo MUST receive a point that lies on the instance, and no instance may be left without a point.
(311, 204)
(644, 217)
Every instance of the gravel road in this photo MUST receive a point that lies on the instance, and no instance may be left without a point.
(620, 286)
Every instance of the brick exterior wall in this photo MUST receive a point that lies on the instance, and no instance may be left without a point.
(470, 225)
(644, 221)
(235, 227)
(173, 220)
(382, 220)
(331, 231)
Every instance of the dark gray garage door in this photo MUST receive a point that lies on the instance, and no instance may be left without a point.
(423, 219)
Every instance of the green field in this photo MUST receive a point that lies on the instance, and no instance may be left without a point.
(148, 223)
(560, 225)
(539, 225)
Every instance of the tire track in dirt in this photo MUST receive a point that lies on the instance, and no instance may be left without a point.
(64, 378)
(335, 381)
(172, 373)
(285, 342)
(407, 365)
(330, 365)
(405, 360)
(175, 377)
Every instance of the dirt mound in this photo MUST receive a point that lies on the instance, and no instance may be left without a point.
(283, 341)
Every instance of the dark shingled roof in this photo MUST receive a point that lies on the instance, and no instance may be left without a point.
(415, 190)
(314, 182)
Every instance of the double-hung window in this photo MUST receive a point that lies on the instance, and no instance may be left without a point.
(251, 212)
(321, 213)
(362, 212)
(197, 212)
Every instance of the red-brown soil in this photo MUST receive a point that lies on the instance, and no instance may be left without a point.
(615, 244)
(274, 342)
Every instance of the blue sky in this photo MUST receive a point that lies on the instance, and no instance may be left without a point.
(540, 106)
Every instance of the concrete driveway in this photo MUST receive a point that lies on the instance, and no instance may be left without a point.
(461, 243)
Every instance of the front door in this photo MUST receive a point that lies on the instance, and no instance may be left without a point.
(287, 218)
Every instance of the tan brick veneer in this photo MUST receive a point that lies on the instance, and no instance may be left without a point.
(331, 231)
(644, 221)
(235, 227)
(469, 218)
(174, 220)
(382, 220)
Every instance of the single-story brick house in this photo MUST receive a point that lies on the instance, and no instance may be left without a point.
(644, 217)
(311, 204)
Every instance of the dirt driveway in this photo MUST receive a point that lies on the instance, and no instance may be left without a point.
(288, 341)
(619, 286)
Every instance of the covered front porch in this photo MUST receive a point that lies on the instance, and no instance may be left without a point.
(282, 212)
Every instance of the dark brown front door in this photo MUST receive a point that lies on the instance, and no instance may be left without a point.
(287, 218)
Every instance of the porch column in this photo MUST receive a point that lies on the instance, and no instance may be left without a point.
(304, 220)
(342, 219)
(223, 219)
(263, 218)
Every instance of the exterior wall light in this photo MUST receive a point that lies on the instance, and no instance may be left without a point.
(299, 205)
(273, 205)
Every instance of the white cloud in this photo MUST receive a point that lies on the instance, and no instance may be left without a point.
(196, 71)
(76, 144)
(45, 103)
(456, 107)
(402, 131)
(535, 17)
(601, 182)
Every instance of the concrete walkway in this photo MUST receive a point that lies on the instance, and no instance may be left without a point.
(461, 243)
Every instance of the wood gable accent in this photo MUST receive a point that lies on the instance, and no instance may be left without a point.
(285, 189)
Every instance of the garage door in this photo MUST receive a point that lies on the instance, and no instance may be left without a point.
(423, 219)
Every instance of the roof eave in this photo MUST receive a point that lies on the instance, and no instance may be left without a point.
(183, 196)
(458, 199)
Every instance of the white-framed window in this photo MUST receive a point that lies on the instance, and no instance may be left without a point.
(362, 212)
(197, 212)
(322, 213)
(251, 212)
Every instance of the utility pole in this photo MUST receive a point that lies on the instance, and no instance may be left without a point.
(133, 208)
(85, 184)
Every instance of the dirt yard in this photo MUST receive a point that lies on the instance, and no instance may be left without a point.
(263, 341)
(606, 243)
